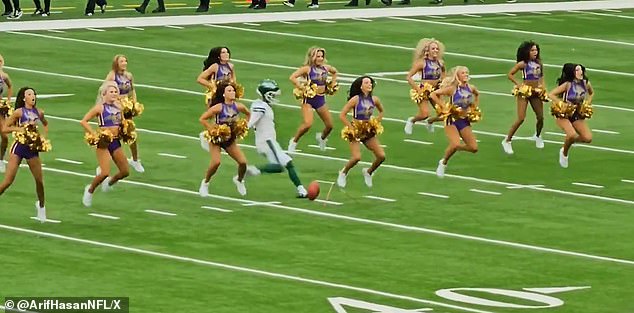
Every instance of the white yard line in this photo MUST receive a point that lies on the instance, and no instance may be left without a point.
(251, 24)
(174, 26)
(555, 134)
(471, 15)
(435, 195)
(325, 21)
(216, 209)
(134, 28)
(494, 193)
(380, 198)
(161, 212)
(605, 131)
(261, 203)
(525, 186)
(238, 268)
(361, 19)
(588, 185)
(48, 220)
(327, 148)
(69, 161)
(110, 217)
(289, 23)
(627, 181)
(55, 31)
(328, 202)
(325, 182)
(418, 142)
(96, 29)
(368, 221)
(176, 156)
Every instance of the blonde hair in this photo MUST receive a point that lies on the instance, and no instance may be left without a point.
(423, 46)
(103, 88)
(115, 62)
(311, 55)
(452, 77)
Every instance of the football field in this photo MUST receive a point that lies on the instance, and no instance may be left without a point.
(499, 233)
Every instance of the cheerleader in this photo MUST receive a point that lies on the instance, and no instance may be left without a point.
(5, 109)
(124, 79)
(26, 114)
(464, 100)
(428, 60)
(225, 109)
(216, 68)
(363, 128)
(315, 71)
(108, 143)
(573, 107)
(532, 90)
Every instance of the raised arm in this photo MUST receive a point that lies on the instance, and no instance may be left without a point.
(446, 91)
(9, 124)
(243, 108)
(590, 93)
(343, 116)
(416, 67)
(210, 113)
(379, 107)
(554, 94)
(44, 121)
(94, 112)
(300, 72)
(515, 69)
(7, 80)
(132, 89)
(476, 95)
(209, 72)
(333, 73)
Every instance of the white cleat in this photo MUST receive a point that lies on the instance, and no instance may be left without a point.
(288, 4)
(87, 199)
(506, 145)
(429, 126)
(136, 165)
(242, 189)
(253, 171)
(292, 145)
(367, 177)
(301, 191)
(313, 6)
(341, 179)
(440, 170)
(105, 185)
(539, 142)
(203, 141)
(203, 190)
(3, 167)
(563, 160)
(409, 126)
(41, 212)
(321, 142)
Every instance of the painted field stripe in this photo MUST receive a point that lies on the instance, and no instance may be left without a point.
(134, 28)
(169, 155)
(174, 26)
(96, 29)
(418, 142)
(69, 161)
(328, 202)
(588, 185)
(494, 193)
(433, 195)
(216, 209)
(110, 217)
(361, 19)
(48, 220)
(380, 198)
(161, 212)
(605, 131)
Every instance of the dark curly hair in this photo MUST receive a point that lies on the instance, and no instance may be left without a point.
(220, 90)
(568, 73)
(19, 98)
(523, 51)
(214, 56)
(355, 87)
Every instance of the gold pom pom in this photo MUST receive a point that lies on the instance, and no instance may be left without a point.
(541, 94)
(474, 114)
(331, 87)
(100, 139)
(362, 130)
(218, 134)
(29, 135)
(131, 108)
(127, 132)
(6, 109)
(562, 109)
(306, 90)
(585, 110)
(239, 91)
(443, 111)
(524, 91)
(211, 91)
(239, 129)
(424, 94)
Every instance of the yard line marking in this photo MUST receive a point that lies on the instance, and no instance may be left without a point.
(556, 134)
(325, 21)
(627, 181)
(110, 217)
(614, 108)
(486, 192)
(251, 24)
(369, 221)
(471, 15)
(96, 29)
(297, 107)
(361, 19)
(216, 209)
(328, 202)
(48, 220)
(437, 16)
(507, 14)
(507, 30)
(433, 195)
(289, 23)
(541, 13)
(55, 31)
(611, 10)
(69, 161)
(325, 181)
(172, 155)
(161, 212)
(525, 186)
(606, 14)
(237, 268)
(587, 185)
(327, 148)
(418, 141)
(174, 26)
(261, 203)
(134, 28)
(380, 198)
(606, 131)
